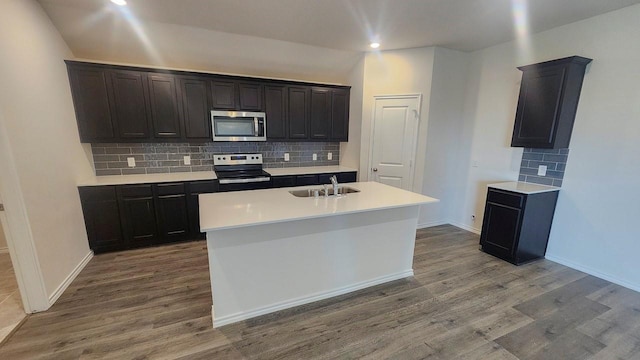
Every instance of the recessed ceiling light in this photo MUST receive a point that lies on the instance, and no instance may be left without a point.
(119, 2)
(374, 45)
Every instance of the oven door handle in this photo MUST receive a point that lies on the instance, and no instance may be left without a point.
(245, 181)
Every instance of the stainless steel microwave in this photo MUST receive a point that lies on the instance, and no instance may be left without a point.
(238, 126)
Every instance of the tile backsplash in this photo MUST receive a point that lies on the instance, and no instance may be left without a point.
(151, 158)
(554, 159)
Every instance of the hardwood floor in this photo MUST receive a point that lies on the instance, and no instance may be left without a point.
(462, 303)
(11, 310)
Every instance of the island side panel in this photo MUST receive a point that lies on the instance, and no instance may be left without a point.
(260, 269)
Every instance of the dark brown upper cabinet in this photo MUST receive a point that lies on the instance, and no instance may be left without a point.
(276, 110)
(129, 104)
(224, 94)
(547, 103)
(91, 98)
(132, 104)
(298, 112)
(250, 96)
(340, 114)
(163, 103)
(320, 117)
(195, 108)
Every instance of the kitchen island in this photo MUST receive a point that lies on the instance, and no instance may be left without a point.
(270, 250)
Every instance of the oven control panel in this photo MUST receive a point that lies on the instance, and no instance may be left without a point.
(237, 159)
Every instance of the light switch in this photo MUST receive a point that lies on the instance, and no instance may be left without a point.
(286, 156)
(131, 161)
(542, 170)
(329, 156)
(187, 160)
(315, 157)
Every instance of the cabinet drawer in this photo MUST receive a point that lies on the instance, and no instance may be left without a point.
(203, 187)
(505, 198)
(171, 189)
(97, 193)
(302, 180)
(135, 190)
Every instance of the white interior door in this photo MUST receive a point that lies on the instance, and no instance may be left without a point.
(395, 132)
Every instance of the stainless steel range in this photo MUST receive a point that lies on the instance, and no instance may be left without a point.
(240, 172)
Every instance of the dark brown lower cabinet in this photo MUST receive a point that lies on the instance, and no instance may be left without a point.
(102, 218)
(172, 212)
(131, 216)
(516, 226)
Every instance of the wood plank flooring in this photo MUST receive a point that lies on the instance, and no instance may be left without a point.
(11, 310)
(461, 304)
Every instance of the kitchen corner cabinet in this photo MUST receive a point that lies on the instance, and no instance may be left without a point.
(132, 216)
(516, 226)
(547, 103)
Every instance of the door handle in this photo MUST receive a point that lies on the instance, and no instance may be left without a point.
(375, 169)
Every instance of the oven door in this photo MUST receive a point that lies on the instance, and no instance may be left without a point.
(238, 126)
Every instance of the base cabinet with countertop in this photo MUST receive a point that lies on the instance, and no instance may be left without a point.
(121, 217)
(516, 223)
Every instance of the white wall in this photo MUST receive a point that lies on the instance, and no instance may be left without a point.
(39, 121)
(350, 151)
(448, 87)
(391, 73)
(594, 227)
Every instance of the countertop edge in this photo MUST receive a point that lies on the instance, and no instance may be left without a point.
(523, 188)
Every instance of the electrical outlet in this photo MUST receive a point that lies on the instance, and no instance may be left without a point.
(542, 170)
(131, 161)
(187, 160)
(315, 157)
(286, 156)
(330, 156)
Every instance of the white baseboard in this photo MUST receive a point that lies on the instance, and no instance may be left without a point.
(65, 284)
(229, 319)
(465, 227)
(432, 224)
(590, 271)
(4, 250)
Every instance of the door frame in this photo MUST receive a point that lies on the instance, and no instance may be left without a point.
(15, 223)
(417, 96)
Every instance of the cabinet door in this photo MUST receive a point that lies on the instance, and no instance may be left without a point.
(298, 112)
(138, 216)
(102, 218)
(500, 229)
(129, 105)
(223, 94)
(340, 115)
(163, 103)
(196, 188)
(172, 212)
(91, 103)
(537, 114)
(302, 180)
(276, 110)
(250, 95)
(320, 117)
(283, 181)
(347, 177)
(195, 109)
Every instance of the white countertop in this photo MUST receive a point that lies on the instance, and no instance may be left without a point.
(308, 170)
(523, 187)
(147, 178)
(245, 208)
(201, 175)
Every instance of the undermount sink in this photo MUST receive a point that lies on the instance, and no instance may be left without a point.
(342, 190)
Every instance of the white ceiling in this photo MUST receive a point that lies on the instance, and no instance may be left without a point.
(465, 25)
(312, 40)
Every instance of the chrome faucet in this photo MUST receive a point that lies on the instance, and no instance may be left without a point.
(334, 182)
